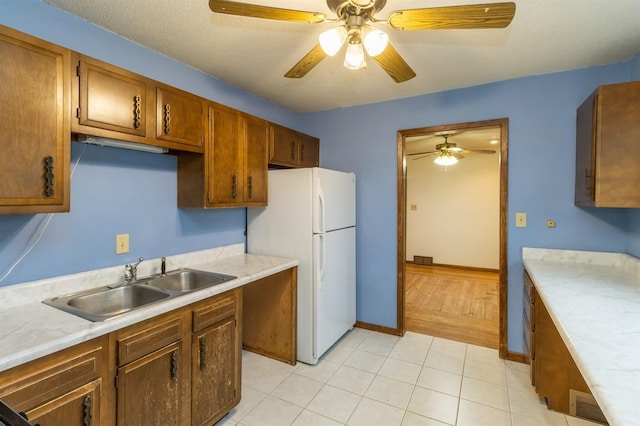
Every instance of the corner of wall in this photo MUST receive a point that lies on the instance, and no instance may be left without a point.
(635, 67)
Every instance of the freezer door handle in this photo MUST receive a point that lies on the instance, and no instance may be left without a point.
(321, 262)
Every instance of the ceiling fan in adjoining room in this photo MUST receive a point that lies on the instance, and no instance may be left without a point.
(357, 32)
(448, 153)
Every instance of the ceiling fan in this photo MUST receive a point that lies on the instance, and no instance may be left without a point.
(448, 153)
(356, 18)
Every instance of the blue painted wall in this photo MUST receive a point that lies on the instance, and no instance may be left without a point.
(541, 112)
(115, 191)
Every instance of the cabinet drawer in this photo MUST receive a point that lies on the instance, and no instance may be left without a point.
(35, 383)
(528, 287)
(148, 340)
(214, 312)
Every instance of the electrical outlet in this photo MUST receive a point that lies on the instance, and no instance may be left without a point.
(521, 220)
(122, 243)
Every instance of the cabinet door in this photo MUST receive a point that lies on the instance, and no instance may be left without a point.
(180, 117)
(308, 151)
(225, 181)
(585, 151)
(607, 151)
(35, 125)
(255, 191)
(111, 99)
(80, 407)
(215, 372)
(283, 146)
(149, 389)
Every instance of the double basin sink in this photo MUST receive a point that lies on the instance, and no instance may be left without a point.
(106, 302)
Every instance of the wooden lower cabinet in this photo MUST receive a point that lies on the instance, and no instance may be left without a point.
(180, 368)
(79, 407)
(216, 354)
(151, 389)
(554, 373)
(65, 388)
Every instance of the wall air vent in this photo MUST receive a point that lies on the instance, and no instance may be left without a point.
(585, 406)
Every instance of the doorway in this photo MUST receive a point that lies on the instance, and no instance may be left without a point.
(500, 128)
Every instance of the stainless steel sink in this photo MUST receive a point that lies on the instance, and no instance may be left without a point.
(185, 280)
(102, 303)
(106, 302)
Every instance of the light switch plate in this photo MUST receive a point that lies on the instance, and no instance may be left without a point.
(122, 243)
(521, 220)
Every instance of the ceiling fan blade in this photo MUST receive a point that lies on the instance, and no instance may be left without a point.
(425, 153)
(472, 16)
(393, 64)
(478, 151)
(420, 158)
(265, 12)
(307, 63)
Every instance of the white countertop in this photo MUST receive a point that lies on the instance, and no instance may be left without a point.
(30, 329)
(594, 301)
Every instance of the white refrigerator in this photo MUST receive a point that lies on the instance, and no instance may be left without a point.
(311, 217)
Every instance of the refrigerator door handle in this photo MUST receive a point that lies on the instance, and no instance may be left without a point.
(321, 262)
(321, 215)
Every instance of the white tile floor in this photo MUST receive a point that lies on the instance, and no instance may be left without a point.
(374, 379)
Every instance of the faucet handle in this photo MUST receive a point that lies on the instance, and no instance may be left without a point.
(163, 266)
(131, 271)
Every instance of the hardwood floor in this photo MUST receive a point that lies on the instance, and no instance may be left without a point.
(453, 303)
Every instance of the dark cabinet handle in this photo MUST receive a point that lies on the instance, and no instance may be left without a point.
(48, 176)
(167, 119)
(86, 404)
(293, 151)
(136, 112)
(234, 186)
(174, 365)
(587, 183)
(250, 186)
(203, 353)
(302, 152)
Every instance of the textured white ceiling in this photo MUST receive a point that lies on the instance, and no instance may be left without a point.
(253, 54)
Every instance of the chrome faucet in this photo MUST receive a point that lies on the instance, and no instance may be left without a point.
(131, 272)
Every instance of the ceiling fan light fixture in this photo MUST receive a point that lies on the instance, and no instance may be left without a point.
(445, 160)
(332, 40)
(354, 58)
(375, 41)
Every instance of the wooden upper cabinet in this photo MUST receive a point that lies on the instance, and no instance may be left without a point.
(233, 171)
(289, 148)
(111, 102)
(255, 161)
(308, 151)
(35, 126)
(180, 117)
(111, 99)
(224, 157)
(608, 147)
